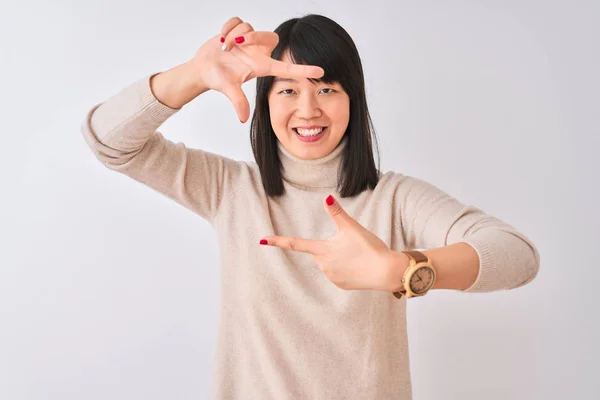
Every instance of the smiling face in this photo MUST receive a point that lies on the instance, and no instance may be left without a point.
(309, 119)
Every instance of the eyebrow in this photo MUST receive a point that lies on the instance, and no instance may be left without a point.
(280, 79)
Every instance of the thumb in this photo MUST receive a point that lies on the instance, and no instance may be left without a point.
(236, 95)
(337, 213)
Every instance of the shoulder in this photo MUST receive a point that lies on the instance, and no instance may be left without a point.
(243, 175)
(234, 169)
(403, 186)
(398, 180)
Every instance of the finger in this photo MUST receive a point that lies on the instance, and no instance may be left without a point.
(260, 38)
(283, 69)
(229, 25)
(309, 246)
(239, 31)
(236, 95)
(337, 213)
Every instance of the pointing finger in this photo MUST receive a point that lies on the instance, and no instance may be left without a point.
(280, 68)
(295, 244)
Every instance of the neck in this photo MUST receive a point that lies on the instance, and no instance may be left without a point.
(318, 173)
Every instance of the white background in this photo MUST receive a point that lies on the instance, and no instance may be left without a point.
(110, 291)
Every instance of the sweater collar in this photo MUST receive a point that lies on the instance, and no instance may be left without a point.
(319, 173)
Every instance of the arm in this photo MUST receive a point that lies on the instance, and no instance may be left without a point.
(456, 266)
(177, 87)
(471, 251)
(122, 133)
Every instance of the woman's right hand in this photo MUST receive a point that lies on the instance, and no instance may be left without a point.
(226, 70)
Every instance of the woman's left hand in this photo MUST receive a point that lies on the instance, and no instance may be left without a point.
(354, 259)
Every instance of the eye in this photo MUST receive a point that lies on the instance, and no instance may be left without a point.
(287, 91)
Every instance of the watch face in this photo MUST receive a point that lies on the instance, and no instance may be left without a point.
(422, 280)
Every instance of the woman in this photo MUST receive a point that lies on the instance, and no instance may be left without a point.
(319, 312)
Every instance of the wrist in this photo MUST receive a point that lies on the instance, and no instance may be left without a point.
(177, 86)
(396, 265)
(192, 72)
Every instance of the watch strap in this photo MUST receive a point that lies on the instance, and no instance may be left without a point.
(418, 257)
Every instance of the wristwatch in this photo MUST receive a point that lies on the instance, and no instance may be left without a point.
(418, 278)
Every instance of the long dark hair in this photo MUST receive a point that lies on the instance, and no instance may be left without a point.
(318, 40)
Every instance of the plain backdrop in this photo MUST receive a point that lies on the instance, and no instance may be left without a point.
(109, 290)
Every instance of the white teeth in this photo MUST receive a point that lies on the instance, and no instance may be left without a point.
(309, 132)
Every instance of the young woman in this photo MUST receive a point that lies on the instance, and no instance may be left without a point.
(318, 247)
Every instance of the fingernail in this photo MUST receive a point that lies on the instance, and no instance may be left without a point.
(263, 241)
(239, 39)
(330, 200)
(224, 47)
(222, 39)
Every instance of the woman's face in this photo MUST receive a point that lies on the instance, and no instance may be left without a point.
(297, 103)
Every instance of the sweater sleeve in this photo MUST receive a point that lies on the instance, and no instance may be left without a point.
(122, 134)
(430, 218)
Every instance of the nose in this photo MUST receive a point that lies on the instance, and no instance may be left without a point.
(308, 108)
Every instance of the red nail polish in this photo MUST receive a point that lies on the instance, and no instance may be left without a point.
(330, 200)
(263, 241)
(239, 39)
(222, 39)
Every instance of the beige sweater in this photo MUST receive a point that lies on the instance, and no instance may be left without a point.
(285, 331)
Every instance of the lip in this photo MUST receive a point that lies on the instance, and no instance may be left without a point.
(309, 127)
(311, 139)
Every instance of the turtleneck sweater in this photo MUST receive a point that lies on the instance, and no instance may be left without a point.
(285, 331)
(321, 173)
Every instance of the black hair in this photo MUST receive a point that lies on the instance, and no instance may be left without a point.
(318, 40)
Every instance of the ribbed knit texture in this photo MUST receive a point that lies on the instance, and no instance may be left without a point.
(285, 331)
